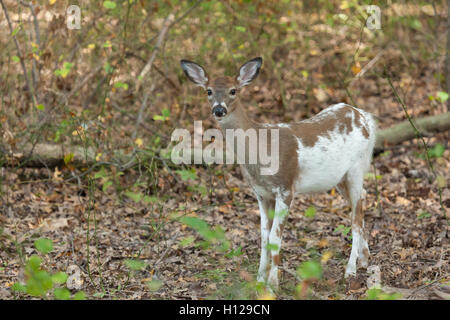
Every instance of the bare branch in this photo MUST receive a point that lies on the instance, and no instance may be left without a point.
(148, 66)
(19, 52)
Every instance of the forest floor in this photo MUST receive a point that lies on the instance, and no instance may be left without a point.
(408, 235)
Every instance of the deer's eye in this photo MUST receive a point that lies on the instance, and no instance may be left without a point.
(209, 92)
(233, 92)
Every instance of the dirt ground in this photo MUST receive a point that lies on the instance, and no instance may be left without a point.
(408, 235)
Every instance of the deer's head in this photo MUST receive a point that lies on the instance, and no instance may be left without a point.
(222, 91)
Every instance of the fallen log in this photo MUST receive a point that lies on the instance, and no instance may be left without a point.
(403, 131)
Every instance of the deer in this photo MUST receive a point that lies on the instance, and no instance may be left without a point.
(332, 149)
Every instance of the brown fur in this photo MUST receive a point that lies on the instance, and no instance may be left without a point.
(276, 259)
(359, 216)
(310, 130)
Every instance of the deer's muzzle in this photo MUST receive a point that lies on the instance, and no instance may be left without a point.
(219, 111)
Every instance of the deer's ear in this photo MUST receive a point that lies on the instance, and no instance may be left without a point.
(195, 73)
(249, 71)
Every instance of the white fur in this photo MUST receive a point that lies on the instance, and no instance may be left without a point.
(333, 157)
(265, 232)
(323, 165)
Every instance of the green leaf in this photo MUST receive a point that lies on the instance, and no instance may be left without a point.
(154, 285)
(272, 246)
(423, 214)
(437, 151)
(199, 225)
(108, 68)
(186, 241)
(109, 4)
(40, 107)
(378, 294)
(304, 74)
(15, 58)
(343, 229)
(165, 112)
(415, 24)
(441, 181)
(135, 264)
(62, 293)
(34, 263)
(99, 295)
(80, 295)
(39, 283)
(187, 174)
(67, 65)
(442, 96)
(271, 213)
(44, 245)
(240, 28)
(100, 174)
(18, 287)
(68, 158)
(136, 197)
(310, 212)
(150, 199)
(59, 277)
(310, 270)
(106, 185)
(157, 117)
(17, 29)
(119, 84)
(235, 252)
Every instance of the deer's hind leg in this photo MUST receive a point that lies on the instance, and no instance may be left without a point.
(266, 205)
(282, 205)
(352, 188)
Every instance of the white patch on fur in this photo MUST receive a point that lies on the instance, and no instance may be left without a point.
(264, 259)
(351, 265)
(275, 237)
(323, 165)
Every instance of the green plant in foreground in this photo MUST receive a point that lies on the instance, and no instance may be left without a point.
(309, 272)
(211, 237)
(378, 294)
(39, 282)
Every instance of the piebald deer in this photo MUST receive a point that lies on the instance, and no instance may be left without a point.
(331, 149)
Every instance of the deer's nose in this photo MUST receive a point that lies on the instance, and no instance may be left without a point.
(219, 111)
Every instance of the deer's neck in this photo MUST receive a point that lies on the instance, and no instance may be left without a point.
(238, 120)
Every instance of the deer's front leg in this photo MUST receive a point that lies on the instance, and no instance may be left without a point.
(265, 206)
(276, 234)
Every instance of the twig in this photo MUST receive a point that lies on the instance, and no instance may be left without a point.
(171, 241)
(419, 136)
(369, 65)
(35, 21)
(342, 79)
(141, 111)
(142, 124)
(83, 82)
(19, 51)
(37, 40)
(148, 66)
